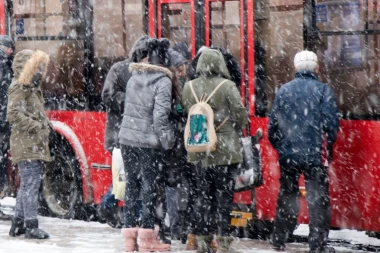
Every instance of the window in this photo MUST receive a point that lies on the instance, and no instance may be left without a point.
(117, 25)
(57, 28)
(278, 37)
(225, 26)
(176, 23)
(349, 55)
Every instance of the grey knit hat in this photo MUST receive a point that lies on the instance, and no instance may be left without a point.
(176, 58)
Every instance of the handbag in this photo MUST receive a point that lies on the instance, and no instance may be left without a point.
(118, 174)
(250, 174)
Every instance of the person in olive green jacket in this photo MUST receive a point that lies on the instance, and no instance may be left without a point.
(29, 143)
(216, 170)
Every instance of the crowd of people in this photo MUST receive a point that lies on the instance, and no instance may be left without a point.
(150, 99)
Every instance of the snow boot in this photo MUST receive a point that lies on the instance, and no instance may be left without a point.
(130, 236)
(224, 244)
(325, 249)
(204, 244)
(148, 241)
(17, 227)
(33, 232)
(161, 235)
(191, 243)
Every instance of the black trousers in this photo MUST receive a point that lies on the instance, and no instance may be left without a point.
(215, 187)
(317, 195)
(141, 170)
(188, 188)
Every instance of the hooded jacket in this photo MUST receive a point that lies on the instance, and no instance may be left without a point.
(113, 93)
(226, 102)
(147, 107)
(25, 113)
(303, 111)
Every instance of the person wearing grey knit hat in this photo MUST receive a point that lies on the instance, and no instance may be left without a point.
(304, 117)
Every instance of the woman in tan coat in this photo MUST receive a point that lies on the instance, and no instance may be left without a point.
(29, 139)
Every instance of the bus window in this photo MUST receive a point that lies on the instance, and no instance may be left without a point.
(278, 37)
(116, 28)
(176, 23)
(349, 61)
(56, 29)
(225, 26)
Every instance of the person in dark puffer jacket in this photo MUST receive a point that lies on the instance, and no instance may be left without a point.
(113, 96)
(304, 113)
(145, 130)
(6, 74)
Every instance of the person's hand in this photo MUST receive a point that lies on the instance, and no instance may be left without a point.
(37, 80)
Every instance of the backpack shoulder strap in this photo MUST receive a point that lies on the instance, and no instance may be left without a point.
(213, 92)
(193, 91)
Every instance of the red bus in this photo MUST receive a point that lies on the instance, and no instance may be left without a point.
(84, 38)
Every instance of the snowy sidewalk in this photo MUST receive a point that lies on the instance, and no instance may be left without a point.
(69, 236)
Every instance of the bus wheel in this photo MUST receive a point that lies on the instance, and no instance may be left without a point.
(61, 193)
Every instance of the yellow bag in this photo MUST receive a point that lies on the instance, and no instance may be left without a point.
(118, 174)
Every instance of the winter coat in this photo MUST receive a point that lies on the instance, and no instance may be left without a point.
(113, 93)
(26, 114)
(226, 102)
(5, 82)
(304, 109)
(147, 107)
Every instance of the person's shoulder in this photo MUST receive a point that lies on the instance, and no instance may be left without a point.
(120, 65)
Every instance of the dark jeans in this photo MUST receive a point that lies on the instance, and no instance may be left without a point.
(140, 165)
(108, 200)
(187, 195)
(172, 200)
(27, 197)
(215, 194)
(317, 195)
(4, 147)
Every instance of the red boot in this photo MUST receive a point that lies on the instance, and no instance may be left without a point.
(130, 236)
(148, 241)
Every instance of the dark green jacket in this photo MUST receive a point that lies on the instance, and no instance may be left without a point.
(25, 112)
(226, 102)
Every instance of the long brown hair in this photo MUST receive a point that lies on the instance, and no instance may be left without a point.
(176, 91)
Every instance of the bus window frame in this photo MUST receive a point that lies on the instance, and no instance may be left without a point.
(155, 21)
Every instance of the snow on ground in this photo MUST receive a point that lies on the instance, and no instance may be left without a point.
(71, 236)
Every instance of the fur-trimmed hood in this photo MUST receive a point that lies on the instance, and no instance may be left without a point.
(27, 63)
(145, 67)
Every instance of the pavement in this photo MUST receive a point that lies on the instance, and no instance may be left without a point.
(73, 236)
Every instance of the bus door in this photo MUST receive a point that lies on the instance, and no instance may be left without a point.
(174, 20)
(229, 25)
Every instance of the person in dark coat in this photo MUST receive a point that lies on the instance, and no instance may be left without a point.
(145, 131)
(6, 74)
(113, 96)
(304, 114)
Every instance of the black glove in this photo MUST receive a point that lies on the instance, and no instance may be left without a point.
(330, 152)
(37, 80)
